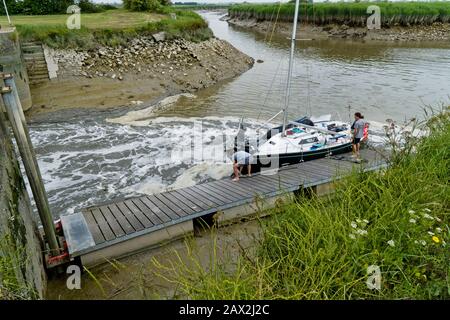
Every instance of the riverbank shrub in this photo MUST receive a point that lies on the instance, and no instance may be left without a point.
(395, 222)
(87, 6)
(355, 14)
(145, 5)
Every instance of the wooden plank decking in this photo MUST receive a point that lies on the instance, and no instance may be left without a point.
(112, 224)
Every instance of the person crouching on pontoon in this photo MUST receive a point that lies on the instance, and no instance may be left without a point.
(241, 159)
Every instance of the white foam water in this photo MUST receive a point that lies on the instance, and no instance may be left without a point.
(92, 161)
(139, 117)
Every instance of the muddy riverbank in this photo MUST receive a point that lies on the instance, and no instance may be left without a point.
(151, 274)
(435, 32)
(145, 70)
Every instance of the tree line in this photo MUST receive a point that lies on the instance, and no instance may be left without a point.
(145, 5)
(42, 7)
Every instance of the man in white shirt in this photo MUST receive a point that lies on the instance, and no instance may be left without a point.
(358, 134)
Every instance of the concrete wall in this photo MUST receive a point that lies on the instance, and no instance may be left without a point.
(20, 249)
(11, 61)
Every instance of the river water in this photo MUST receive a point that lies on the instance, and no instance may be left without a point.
(91, 156)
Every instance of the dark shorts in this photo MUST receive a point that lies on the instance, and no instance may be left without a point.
(356, 140)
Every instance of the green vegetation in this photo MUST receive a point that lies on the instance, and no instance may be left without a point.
(392, 13)
(44, 7)
(12, 260)
(145, 5)
(86, 6)
(321, 248)
(112, 19)
(113, 27)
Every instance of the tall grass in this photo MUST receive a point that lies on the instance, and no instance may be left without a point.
(392, 13)
(13, 286)
(321, 248)
(188, 25)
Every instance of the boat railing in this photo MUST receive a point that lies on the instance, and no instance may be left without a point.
(313, 127)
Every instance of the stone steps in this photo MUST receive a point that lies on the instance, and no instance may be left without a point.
(31, 49)
(37, 73)
(33, 55)
(38, 66)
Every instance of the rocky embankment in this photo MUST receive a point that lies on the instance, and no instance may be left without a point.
(144, 70)
(435, 32)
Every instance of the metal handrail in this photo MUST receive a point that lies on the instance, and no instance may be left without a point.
(17, 120)
(7, 13)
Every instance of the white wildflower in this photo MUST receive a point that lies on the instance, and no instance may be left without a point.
(427, 216)
(412, 220)
(361, 232)
(352, 236)
(358, 220)
(437, 219)
(427, 210)
(439, 230)
(416, 242)
(354, 225)
(366, 221)
(391, 243)
(423, 242)
(411, 211)
(431, 233)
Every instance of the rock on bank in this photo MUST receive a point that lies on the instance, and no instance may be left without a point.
(146, 69)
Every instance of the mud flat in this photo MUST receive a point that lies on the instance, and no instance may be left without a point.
(145, 70)
(146, 275)
(434, 32)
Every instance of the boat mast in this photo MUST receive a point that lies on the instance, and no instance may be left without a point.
(291, 62)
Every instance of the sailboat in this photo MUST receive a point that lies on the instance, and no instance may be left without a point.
(296, 141)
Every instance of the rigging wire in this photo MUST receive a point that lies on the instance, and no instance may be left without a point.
(279, 63)
(308, 93)
(275, 24)
(270, 22)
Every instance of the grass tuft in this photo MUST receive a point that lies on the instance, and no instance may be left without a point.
(12, 264)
